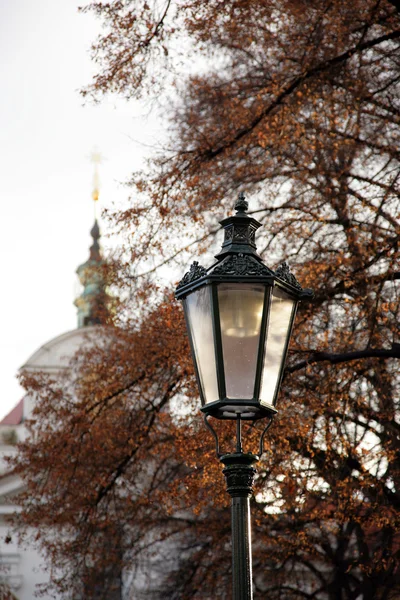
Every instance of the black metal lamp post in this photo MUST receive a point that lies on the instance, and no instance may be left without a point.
(239, 316)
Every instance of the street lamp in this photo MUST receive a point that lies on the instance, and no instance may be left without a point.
(239, 315)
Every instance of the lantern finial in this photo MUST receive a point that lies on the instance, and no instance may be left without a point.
(239, 231)
(241, 205)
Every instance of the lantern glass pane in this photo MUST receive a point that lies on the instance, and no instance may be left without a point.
(240, 310)
(279, 325)
(199, 316)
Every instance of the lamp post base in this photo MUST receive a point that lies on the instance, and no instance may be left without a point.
(239, 474)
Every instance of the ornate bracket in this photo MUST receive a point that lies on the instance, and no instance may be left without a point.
(261, 449)
(196, 271)
(243, 265)
(284, 273)
(214, 434)
(239, 450)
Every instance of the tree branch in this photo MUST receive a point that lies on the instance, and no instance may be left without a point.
(322, 67)
(315, 357)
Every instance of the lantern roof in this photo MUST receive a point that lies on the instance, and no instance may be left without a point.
(238, 259)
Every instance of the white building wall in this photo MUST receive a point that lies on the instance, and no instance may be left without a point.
(23, 567)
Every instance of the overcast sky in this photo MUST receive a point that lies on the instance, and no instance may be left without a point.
(46, 139)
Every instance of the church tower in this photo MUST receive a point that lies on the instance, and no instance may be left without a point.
(92, 304)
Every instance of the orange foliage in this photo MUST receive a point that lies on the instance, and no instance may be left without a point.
(296, 102)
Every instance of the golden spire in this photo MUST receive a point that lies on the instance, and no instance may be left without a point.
(96, 159)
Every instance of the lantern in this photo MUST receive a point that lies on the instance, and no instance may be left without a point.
(239, 316)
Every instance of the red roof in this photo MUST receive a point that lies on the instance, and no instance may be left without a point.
(15, 415)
